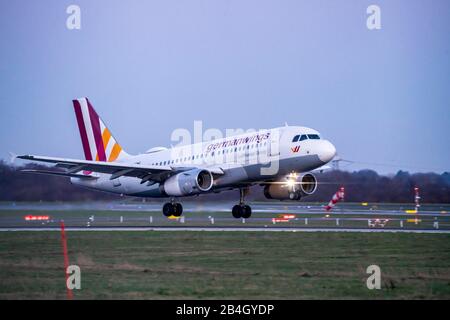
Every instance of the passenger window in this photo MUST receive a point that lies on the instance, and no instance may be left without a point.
(296, 138)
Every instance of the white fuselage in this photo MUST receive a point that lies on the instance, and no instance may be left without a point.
(265, 155)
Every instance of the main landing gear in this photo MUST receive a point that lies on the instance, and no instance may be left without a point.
(172, 208)
(242, 210)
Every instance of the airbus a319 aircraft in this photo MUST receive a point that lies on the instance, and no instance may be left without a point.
(280, 159)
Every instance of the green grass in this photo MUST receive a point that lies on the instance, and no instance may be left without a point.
(230, 265)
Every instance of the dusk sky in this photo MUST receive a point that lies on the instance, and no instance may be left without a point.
(149, 67)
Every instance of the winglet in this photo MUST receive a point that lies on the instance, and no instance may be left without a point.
(12, 157)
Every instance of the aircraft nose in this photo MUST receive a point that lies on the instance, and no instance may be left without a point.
(327, 151)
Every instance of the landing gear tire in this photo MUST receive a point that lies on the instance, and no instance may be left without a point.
(178, 209)
(167, 209)
(242, 211)
(237, 211)
(246, 211)
(172, 209)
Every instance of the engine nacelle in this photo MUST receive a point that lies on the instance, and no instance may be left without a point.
(292, 189)
(188, 183)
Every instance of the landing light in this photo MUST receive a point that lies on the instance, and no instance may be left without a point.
(291, 183)
(292, 175)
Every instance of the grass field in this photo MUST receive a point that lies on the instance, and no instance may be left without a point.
(230, 265)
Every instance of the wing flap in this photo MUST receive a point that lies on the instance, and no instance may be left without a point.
(56, 173)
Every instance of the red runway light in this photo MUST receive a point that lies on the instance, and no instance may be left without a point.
(36, 218)
(280, 220)
(286, 216)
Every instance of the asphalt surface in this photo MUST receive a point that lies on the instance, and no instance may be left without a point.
(143, 216)
(225, 206)
(221, 229)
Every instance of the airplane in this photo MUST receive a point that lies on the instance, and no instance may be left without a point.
(281, 160)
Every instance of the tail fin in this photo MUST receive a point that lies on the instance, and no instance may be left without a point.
(98, 142)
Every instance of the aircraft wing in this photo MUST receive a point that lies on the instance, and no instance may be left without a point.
(116, 169)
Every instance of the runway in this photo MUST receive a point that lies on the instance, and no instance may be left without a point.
(223, 229)
(225, 207)
(268, 217)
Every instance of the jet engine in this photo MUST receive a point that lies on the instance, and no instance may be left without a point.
(292, 188)
(188, 183)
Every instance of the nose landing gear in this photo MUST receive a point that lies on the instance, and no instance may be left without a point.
(242, 210)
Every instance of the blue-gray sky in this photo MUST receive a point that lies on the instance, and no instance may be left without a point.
(148, 67)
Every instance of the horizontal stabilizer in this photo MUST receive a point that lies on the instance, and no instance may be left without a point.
(62, 174)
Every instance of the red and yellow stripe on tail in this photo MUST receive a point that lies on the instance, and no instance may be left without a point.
(97, 140)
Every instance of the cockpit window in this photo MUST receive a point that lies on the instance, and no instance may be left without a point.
(301, 137)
